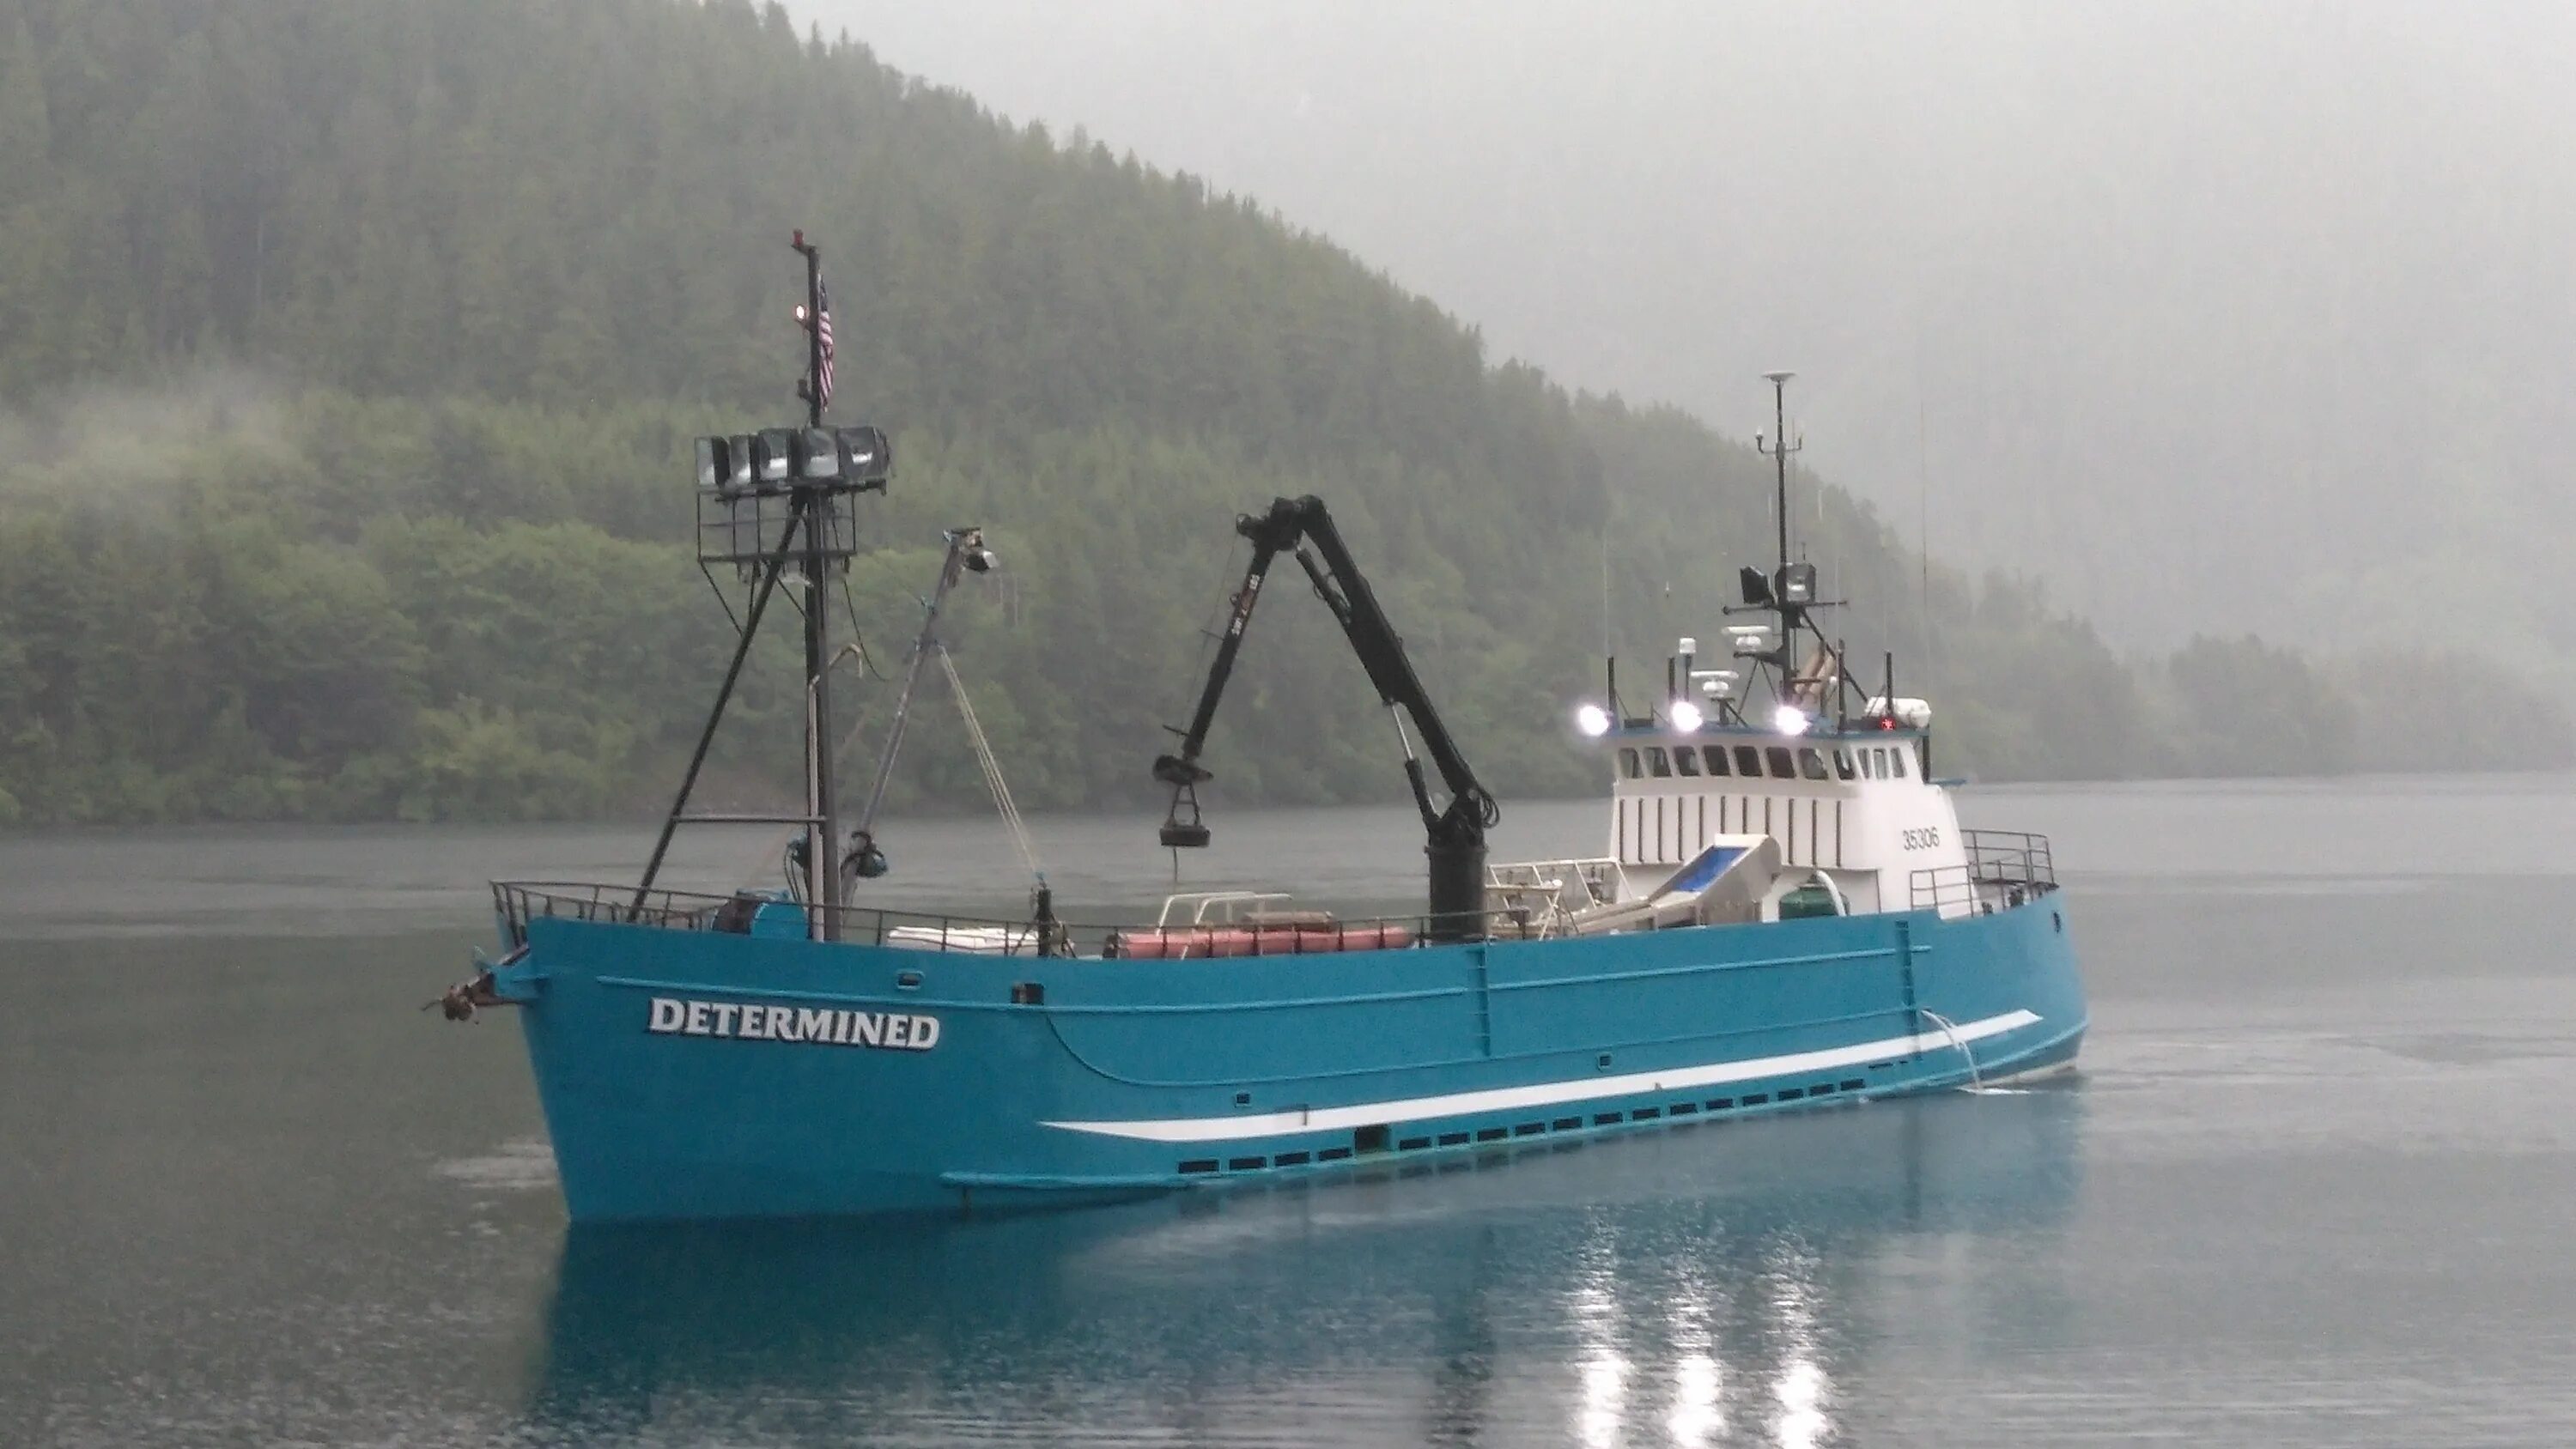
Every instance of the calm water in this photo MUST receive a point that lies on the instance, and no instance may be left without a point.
(2316, 1185)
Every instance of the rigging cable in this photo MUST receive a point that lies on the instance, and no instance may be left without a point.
(992, 770)
(719, 592)
(851, 604)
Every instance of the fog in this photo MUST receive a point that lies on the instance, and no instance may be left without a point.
(2217, 316)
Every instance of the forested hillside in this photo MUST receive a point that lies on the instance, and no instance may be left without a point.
(351, 353)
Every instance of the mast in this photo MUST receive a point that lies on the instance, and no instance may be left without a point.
(1779, 449)
(800, 486)
(823, 850)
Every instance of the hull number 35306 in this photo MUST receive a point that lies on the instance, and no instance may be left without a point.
(1925, 839)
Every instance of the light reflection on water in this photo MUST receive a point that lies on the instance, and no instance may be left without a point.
(1603, 1367)
(1698, 1415)
(1801, 1387)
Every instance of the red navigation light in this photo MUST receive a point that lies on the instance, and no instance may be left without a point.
(1887, 721)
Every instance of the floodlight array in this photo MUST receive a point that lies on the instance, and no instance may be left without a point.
(781, 460)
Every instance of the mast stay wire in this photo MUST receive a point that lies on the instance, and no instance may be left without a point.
(1010, 810)
(726, 603)
(850, 603)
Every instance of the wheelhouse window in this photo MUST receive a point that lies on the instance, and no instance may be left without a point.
(1627, 762)
(1811, 763)
(1716, 759)
(1896, 761)
(1658, 764)
(1843, 767)
(1748, 762)
(1686, 761)
(1781, 766)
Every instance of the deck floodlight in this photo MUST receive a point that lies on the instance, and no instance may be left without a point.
(1757, 589)
(1686, 716)
(1718, 684)
(738, 459)
(1592, 720)
(818, 456)
(866, 456)
(711, 466)
(1798, 583)
(1752, 641)
(774, 453)
(1789, 720)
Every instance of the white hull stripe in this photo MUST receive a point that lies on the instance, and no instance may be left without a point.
(1544, 1094)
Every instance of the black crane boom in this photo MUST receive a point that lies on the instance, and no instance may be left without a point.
(1456, 828)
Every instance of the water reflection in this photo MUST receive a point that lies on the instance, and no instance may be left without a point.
(1709, 1286)
(1801, 1384)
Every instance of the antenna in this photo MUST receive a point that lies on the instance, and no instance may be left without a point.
(1778, 450)
(1922, 513)
(1605, 591)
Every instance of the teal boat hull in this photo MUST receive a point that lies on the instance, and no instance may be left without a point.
(693, 1074)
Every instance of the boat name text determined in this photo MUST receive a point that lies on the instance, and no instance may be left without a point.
(815, 1026)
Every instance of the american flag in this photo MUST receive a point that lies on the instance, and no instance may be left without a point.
(823, 334)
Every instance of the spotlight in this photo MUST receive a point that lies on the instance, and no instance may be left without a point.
(867, 456)
(818, 456)
(1790, 720)
(775, 450)
(1592, 719)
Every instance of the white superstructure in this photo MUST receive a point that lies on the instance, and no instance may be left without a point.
(1854, 807)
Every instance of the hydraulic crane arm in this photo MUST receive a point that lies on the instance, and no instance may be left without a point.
(1456, 827)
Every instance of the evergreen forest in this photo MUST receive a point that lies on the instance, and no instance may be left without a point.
(351, 354)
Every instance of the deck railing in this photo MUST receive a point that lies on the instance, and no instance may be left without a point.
(518, 902)
(2004, 869)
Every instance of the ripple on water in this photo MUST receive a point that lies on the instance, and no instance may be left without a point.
(522, 1165)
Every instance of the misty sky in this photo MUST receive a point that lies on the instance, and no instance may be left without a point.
(2214, 314)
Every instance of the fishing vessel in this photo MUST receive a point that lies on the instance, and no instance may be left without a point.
(1786, 916)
